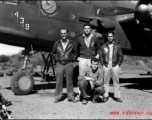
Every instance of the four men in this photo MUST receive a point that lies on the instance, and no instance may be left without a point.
(91, 78)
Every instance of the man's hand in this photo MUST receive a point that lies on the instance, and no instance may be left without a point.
(89, 78)
(92, 86)
(97, 56)
(78, 59)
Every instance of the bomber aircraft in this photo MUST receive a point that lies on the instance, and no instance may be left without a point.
(35, 25)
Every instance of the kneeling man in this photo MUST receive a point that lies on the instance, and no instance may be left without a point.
(92, 76)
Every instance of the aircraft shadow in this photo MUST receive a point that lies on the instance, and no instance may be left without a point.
(51, 85)
(145, 74)
(44, 86)
(137, 83)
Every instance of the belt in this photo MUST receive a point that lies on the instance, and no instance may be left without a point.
(85, 58)
(64, 63)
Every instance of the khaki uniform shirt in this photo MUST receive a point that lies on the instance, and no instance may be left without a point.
(98, 75)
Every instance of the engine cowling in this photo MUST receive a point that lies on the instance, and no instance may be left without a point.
(144, 14)
(145, 9)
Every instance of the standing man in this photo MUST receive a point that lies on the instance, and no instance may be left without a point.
(92, 79)
(111, 58)
(65, 53)
(88, 47)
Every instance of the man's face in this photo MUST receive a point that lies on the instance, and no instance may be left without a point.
(94, 65)
(87, 30)
(63, 34)
(110, 37)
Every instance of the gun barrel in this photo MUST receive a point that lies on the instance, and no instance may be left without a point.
(86, 20)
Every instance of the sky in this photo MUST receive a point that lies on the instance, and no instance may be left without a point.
(10, 50)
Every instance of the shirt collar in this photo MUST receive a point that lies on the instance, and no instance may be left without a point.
(91, 35)
(112, 43)
(67, 41)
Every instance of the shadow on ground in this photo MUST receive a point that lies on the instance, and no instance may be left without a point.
(137, 83)
(51, 85)
(131, 83)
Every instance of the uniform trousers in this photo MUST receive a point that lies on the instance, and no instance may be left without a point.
(83, 64)
(114, 73)
(84, 86)
(66, 70)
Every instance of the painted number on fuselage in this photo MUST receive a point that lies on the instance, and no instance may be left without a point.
(21, 20)
(17, 14)
(27, 26)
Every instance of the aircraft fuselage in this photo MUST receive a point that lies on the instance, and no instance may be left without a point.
(38, 23)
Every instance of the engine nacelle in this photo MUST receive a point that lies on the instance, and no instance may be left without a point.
(143, 15)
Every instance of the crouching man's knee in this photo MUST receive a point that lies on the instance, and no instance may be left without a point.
(99, 90)
(98, 84)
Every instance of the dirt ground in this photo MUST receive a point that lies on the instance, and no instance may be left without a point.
(136, 91)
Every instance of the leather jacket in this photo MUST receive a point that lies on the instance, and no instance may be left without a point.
(64, 57)
(117, 56)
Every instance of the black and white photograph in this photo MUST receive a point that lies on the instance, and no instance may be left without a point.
(75, 59)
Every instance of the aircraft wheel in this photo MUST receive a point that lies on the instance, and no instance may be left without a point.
(21, 84)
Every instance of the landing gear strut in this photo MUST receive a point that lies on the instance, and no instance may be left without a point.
(22, 83)
(49, 62)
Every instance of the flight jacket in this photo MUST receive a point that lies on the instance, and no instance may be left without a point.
(117, 56)
(64, 57)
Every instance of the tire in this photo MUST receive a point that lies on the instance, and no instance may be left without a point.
(21, 84)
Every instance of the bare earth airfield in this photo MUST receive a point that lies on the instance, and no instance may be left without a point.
(136, 89)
